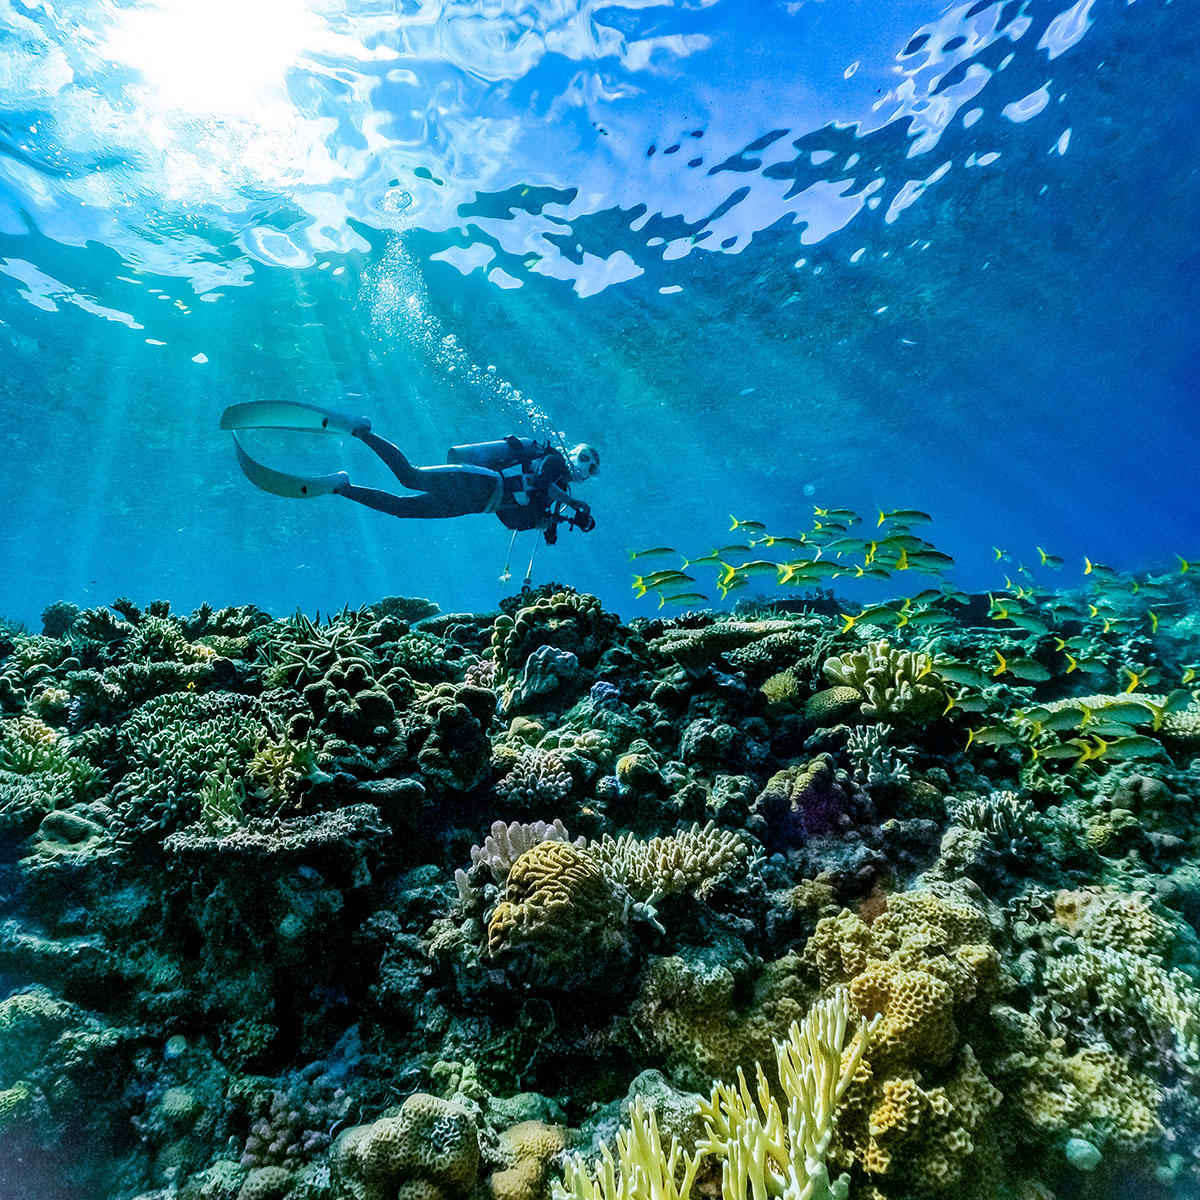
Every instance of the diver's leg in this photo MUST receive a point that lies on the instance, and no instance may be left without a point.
(393, 458)
(456, 481)
(465, 493)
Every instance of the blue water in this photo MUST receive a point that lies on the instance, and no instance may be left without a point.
(764, 256)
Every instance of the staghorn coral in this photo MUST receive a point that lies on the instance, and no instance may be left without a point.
(895, 684)
(299, 651)
(875, 762)
(666, 866)
(279, 769)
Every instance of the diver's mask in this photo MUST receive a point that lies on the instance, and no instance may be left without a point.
(584, 461)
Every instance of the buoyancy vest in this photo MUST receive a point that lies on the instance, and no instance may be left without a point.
(526, 468)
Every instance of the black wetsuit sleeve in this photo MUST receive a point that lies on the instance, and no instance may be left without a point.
(553, 469)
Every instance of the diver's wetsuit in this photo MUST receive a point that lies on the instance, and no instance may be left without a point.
(511, 478)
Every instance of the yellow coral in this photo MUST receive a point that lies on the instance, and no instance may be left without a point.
(529, 1148)
(926, 1138)
(921, 965)
(918, 1020)
(552, 886)
(782, 690)
(769, 1149)
(641, 1170)
(897, 684)
(430, 1151)
(829, 705)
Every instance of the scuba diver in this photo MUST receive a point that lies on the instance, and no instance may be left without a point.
(524, 482)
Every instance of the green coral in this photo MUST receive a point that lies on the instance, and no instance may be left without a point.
(895, 684)
(172, 745)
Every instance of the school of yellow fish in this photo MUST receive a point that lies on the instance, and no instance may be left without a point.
(1055, 633)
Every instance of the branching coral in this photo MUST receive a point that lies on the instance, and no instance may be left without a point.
(506, 843)
(641, 1170)
(538, 779)
(775, 1151)
(875, 761)
(665, 866)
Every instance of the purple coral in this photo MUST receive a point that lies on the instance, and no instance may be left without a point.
(804, 801)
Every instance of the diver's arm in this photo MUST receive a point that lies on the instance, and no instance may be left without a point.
(558, 496)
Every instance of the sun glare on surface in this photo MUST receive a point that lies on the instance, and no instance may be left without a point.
(216, 57)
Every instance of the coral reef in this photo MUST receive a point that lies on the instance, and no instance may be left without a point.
(401, 903)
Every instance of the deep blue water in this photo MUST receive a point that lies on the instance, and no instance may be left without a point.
(764, 256)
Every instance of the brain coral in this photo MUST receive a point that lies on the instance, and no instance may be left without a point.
(562, 923)
(528, 1149)
(895, 684)
(430, 1151)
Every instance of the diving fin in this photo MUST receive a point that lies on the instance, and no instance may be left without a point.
(291, 415)
(280, 483)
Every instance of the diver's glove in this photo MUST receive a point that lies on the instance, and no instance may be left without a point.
(585, 522)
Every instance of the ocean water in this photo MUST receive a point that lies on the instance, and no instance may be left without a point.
(771, 258)
(763, 257)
